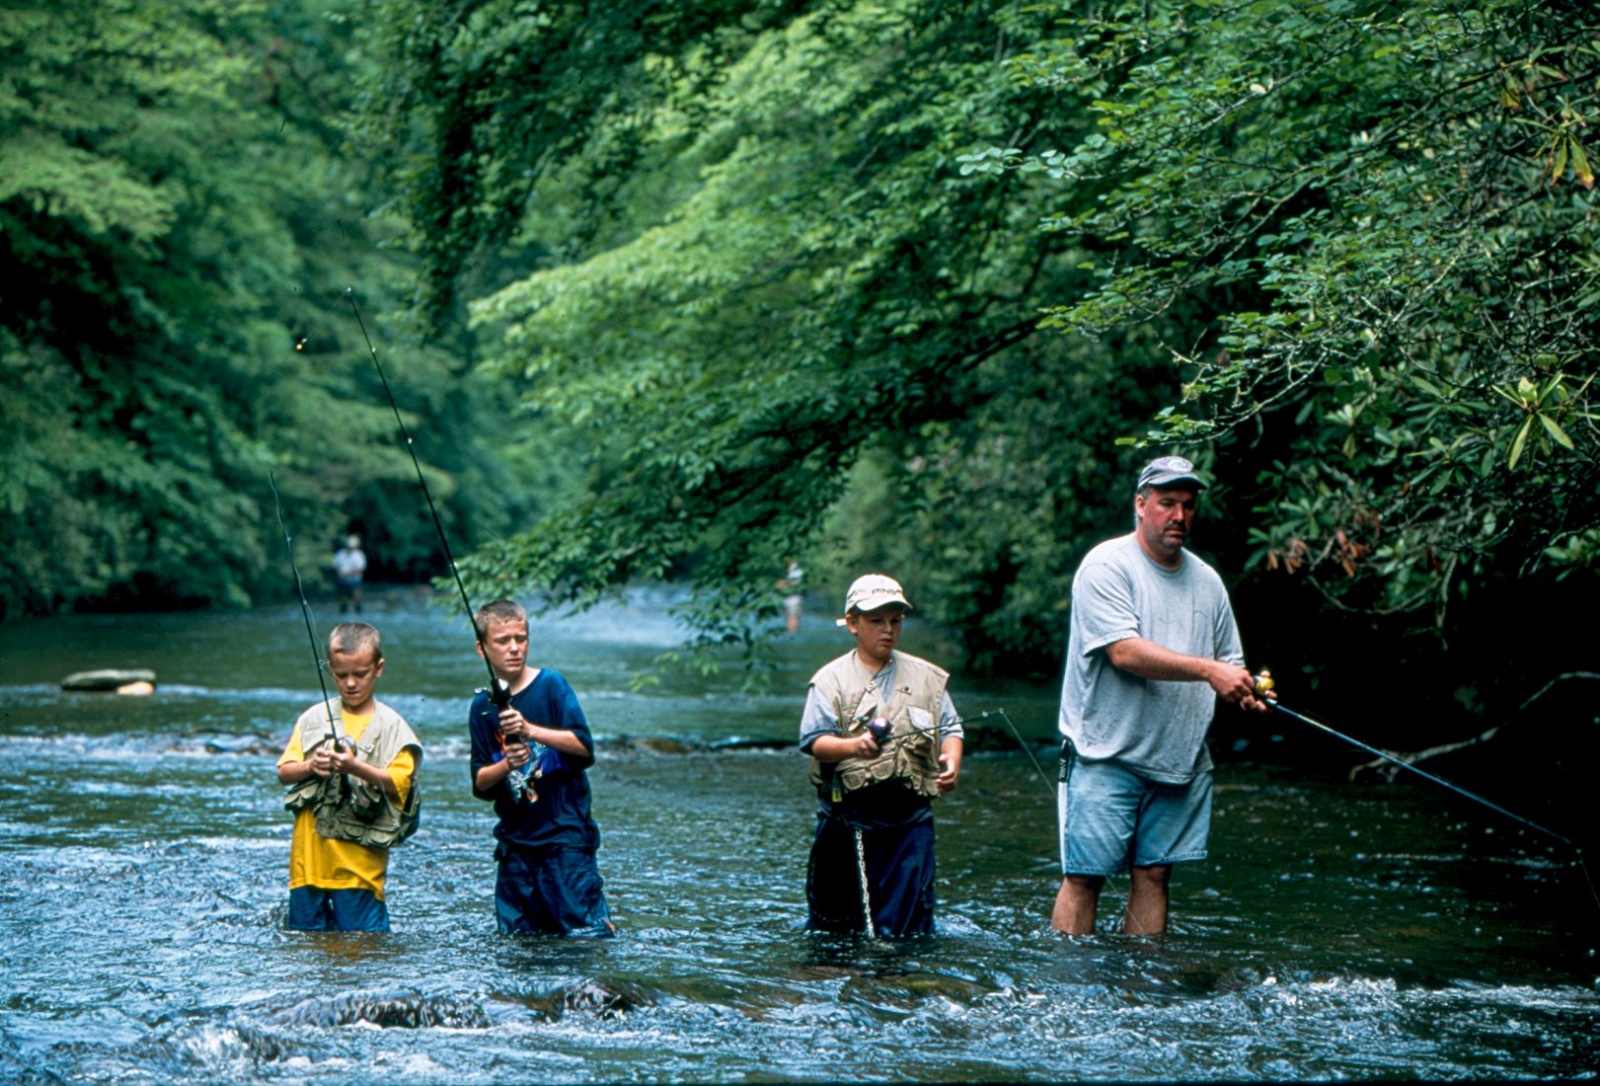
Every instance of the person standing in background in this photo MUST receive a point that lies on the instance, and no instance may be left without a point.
(349, 568)
(793, 597)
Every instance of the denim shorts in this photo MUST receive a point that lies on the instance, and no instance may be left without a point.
(312, 908)
(1112, 818)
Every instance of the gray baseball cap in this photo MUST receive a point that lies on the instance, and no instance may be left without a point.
(1166, 471)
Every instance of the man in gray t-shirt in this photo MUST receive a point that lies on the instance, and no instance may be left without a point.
(1152, 646)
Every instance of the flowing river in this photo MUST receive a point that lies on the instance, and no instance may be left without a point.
(1338, 931)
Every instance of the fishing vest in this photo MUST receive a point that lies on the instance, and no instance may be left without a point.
(353, 810)
(910, 752)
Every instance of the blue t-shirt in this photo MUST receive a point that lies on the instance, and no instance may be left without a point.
(560, 816)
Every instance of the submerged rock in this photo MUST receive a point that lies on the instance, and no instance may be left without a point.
(385, 1010)
(587, 995)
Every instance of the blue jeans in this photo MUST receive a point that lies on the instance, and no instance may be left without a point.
(557, 893)
(899, 862)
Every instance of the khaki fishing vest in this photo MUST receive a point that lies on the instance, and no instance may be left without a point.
(910, 753)
(353, 810)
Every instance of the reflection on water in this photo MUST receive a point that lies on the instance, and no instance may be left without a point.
(1336, 932)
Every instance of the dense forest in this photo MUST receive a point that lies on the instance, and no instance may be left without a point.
(676, 291)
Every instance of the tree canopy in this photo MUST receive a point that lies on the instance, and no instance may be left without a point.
(1379, 221)
(177, 215)
(1381, 216)
(682, 290)
(780, 272)
(761, 285)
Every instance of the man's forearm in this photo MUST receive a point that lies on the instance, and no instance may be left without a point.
(1148, 660)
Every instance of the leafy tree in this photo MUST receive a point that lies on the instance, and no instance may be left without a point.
(176, 215)
(1375, 222)
(750, 280)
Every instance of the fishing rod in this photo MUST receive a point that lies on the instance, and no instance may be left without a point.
(335, 728)
(1264, 683)
(499, 692)
(881, 735)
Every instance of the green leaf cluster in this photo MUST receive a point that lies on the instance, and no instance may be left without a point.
(741, 267)
(915, 286)
(1378, 223)
(179, 221)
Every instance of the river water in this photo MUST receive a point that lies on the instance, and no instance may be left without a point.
(1338, 930)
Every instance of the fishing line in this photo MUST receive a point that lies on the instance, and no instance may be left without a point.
(499, 693)
(1264, 683)
(334, 726)
(433, 511)
(1001, 713)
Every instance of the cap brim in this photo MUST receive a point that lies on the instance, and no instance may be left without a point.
(901, 604)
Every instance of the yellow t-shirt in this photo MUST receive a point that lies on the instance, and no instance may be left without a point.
(328, 864)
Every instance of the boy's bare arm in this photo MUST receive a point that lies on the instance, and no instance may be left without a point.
(295, 772)
(513, 723)
(950, 762)
(492, 774)
(346, 762)
(836, 748)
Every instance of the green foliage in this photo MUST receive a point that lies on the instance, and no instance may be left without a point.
(176, 212)
(1379, 218)
(753, 264)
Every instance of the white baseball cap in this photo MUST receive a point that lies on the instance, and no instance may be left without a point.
(871, 592)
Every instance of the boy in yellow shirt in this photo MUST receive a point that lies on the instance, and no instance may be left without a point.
(352, 799)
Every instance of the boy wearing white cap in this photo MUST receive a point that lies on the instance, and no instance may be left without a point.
(884, 739)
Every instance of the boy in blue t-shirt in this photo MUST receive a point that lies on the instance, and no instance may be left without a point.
(528, 759)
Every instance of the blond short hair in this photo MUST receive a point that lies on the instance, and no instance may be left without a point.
(351, 638)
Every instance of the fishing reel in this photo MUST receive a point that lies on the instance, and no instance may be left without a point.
(879, 727)
(1264, 683)
(499, 692)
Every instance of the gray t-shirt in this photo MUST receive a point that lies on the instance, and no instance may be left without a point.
(1157, 729)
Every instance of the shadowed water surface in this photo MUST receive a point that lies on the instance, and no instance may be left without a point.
(1337, 931)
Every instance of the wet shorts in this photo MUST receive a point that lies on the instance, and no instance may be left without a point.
(1111, 818)
(312, 908)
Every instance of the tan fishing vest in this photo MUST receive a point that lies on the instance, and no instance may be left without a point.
(910, 753)
(364, 814)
